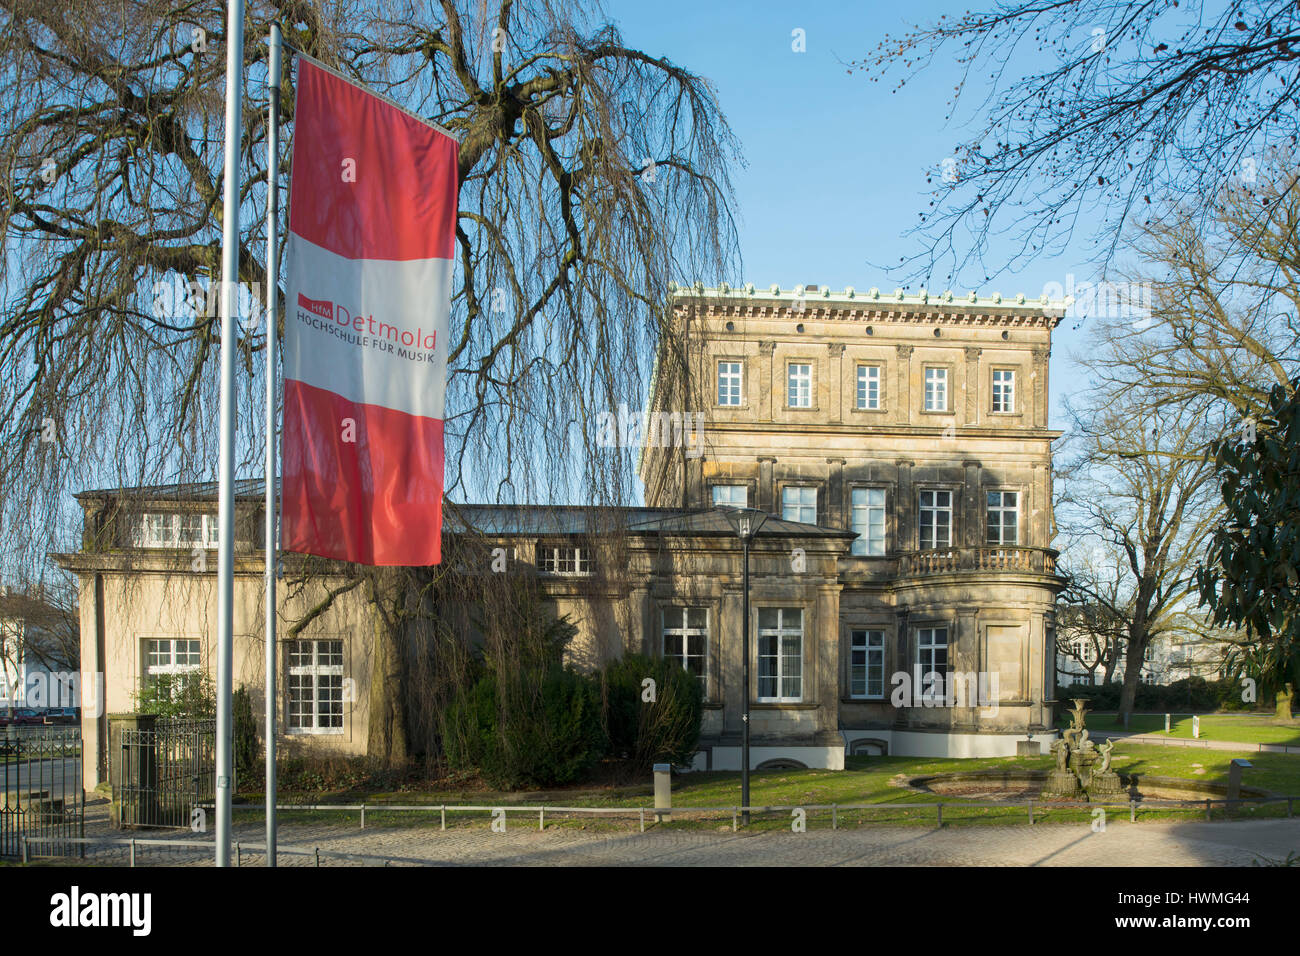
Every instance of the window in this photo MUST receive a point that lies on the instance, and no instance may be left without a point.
(316, 687)
(189, 530)
(1003, 506)
(931, 658)
(867, 664)
(733, 496)
(170, 656)
(1004, 390)
(563, 559)
(936, 519)
(869, 387)
(799, 503)
(686, 640)
(799, 379)
(780, 654)
(936, 389)
(729, 383)
(868, 520)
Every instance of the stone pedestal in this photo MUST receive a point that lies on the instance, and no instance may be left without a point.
(1106, 787)
(1062, 785)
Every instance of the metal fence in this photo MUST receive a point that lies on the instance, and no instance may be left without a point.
(161, 775)
(40, 774)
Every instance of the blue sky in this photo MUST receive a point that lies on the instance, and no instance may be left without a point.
(837, 165)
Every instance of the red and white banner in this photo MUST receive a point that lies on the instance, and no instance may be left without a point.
(372, 219)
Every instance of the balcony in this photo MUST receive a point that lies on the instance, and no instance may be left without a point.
(957, 560)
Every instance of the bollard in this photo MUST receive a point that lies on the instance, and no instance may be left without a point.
(663, 791)
(1196, 728)
(1207, 808)
(443, 813)
(541, 818)
(641, 812)
(363, 816)
(835, 818)
(1166, 723)
(734, 811)
(1132, 811)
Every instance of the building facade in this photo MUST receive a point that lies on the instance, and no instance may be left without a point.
(901, 592)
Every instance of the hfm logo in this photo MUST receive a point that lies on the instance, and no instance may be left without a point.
(73, 909)
(322, 307)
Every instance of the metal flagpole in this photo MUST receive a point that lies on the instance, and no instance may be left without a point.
(226, 465)
(272, 329)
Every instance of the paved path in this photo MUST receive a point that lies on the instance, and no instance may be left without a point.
(1163, 741)
(1121, 844)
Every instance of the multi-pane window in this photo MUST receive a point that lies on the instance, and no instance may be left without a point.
(729, 378)
(1004, 390)
(869, 387)
(563, 559)
(868, 520)
(931, 658)
(935, 519)
(780, 654)
(799, 385)
(799, 503)
(867, 664)
(686, 640)
(316, 687)
(170, 656)
(936, 389)
(1003, 507)
(173, 530)
(732, 496)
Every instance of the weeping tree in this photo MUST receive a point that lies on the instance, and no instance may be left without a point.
(591, 174)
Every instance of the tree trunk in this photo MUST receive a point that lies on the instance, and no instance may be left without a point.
(1133, 661)
(386, 740)
(1284, 702)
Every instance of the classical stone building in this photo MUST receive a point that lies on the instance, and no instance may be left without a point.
(899, 444)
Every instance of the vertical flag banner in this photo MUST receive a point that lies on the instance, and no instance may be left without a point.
(372, 218)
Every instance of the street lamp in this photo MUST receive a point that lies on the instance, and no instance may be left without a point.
(745, 522)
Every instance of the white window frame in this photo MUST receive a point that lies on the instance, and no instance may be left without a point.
(800, 507)
(861, 520)
(153, 529)
(563, 560)
(783, 633)
(744, 495)
(936, 388)
(315, 671)
(866, 644)
(869, 387)
(928, 647)
(798, 385)
(689, 634)
(1002, 509)
(1004, 392)
(172, 653)
(731, 383)
(934, 509)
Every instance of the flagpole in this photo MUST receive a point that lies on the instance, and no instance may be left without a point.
(272, 328)
(226, 463)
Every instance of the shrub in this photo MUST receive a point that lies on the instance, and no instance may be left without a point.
(190, 696)
(248, 753)
(524, 732)
(666, 729)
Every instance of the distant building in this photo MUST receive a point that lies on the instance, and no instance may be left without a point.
(38, 653)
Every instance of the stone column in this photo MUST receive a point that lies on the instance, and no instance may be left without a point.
(765, 499)
(972, 535)
(1039, 417)
(972, 385)
(904, 507)
(833, 387)
(767, 376)
(832, 515)
(903, 413)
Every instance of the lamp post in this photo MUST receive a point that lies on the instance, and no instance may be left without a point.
(745, 522)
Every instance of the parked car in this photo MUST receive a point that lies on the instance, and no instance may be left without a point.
(28, 716)
(61, 715)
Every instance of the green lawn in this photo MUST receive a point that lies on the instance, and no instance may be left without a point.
(1239, 728)
(866, 781)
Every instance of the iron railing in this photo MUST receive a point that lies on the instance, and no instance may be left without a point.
(40, 776)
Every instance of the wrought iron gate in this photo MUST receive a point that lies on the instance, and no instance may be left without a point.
(162, 774)
(40, 773)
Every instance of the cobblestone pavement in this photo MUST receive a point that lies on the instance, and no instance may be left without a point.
(1121, 844)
